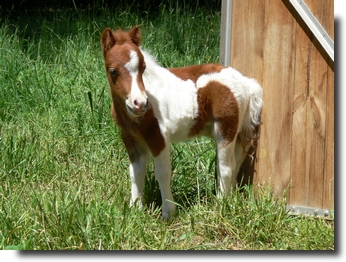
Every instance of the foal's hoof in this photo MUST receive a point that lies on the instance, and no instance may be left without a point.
(165, 217)
(168, 210)
(168, 216)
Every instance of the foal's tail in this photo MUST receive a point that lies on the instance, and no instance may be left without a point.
(252, 118)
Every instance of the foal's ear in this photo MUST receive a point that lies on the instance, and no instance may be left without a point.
(107, 40)
(135, 35)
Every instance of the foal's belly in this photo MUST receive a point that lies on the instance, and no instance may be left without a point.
(182, 132)
(179, 129)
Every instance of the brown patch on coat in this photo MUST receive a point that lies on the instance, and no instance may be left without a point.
(139, 135)
(217, 103)
(195, 71)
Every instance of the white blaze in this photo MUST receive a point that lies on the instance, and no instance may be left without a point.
(132, 68)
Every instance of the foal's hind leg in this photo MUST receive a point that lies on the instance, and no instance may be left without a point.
(240, 152)
(226, 164)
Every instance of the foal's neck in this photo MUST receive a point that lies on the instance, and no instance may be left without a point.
(155, 71)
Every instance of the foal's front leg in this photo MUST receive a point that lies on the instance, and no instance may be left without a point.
(163, 174)
(138, 155)
(137, 176)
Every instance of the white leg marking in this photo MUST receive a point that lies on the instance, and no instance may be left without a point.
(137, 176)
(163, 173)
(226, 167)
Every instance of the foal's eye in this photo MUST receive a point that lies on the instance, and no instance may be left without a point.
(113, 72)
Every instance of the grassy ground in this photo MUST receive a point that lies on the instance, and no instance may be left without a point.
(64, 170)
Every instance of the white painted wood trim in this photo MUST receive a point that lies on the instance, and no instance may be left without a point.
(226, 32)
(315, 26)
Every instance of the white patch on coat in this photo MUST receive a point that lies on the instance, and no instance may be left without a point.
(174, 100)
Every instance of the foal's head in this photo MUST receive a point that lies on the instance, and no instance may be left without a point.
(125, 65)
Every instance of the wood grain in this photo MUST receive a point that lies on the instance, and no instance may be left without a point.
(271, 43)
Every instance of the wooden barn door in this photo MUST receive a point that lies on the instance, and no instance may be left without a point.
(270, 42)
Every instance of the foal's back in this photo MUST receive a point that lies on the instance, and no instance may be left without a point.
(193, 72)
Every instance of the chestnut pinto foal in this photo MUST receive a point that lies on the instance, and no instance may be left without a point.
(154, 106)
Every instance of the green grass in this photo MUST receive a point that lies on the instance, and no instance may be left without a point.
(64, 170)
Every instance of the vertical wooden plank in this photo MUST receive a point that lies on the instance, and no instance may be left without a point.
(247, 40)
(278, 80)
(301, 153)
(316, 124)
(247, 55)
(328, 197)
(316, 112)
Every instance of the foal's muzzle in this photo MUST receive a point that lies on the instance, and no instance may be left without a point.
(138, 107)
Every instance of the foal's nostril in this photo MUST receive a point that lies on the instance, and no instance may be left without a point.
(140, 105)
